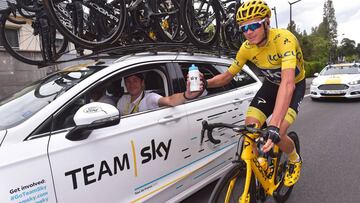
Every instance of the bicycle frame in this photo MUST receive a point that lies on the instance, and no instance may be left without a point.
(253, 166)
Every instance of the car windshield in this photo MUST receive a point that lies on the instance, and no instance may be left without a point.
(25, 103)
(334, 70)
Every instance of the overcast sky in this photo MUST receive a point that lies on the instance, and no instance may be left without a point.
(309, 13)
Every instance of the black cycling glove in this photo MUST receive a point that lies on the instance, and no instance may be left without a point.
(273, 133)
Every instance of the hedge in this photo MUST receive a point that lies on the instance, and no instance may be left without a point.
(312, 67)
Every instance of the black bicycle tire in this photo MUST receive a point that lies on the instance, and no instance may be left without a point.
(9, 48)
(240, 172)
(158, 28)
(233, 44)
(187, 27)
(27, 7)
(13, 52)
(82, 42)
(23, 14)
(62, 49)
(279, 195)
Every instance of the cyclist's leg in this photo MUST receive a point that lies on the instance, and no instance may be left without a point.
(286, 144)
(292, 174)
(261, 106)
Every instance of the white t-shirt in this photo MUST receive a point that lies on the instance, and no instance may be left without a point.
(149, 101)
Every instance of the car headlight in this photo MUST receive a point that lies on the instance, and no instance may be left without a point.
(356, 82)
(314, 83)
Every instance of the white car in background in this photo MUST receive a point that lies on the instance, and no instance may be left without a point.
(56, 145)
(337, 80)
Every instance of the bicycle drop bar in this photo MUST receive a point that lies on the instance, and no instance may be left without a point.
(237, 128)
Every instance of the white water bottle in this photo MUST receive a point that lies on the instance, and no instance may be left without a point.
(194, 77)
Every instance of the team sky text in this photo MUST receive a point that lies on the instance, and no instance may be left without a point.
(92, 173)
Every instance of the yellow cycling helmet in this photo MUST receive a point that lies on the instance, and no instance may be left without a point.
(252, 9)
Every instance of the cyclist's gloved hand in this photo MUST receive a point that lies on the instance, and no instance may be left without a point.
(273, 133)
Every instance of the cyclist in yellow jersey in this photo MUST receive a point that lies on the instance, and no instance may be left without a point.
(276, 52)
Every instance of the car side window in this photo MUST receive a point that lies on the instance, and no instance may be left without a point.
(209, 71)
(110, 91)
(240, 79)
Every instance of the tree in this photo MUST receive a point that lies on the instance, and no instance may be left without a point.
(328, 28)
(358, 51)
(313, 47)
(292, 28)
(347, 47)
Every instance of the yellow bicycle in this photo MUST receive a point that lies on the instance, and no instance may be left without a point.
(254, 176)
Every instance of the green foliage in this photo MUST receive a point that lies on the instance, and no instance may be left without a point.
(315, 48)
(347, 47)
(312, 67)
(320, 46)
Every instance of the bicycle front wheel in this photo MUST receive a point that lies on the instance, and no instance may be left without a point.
(90, 24)
(231, 186)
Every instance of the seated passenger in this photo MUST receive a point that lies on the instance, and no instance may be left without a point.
(99, 95)
(140, 100)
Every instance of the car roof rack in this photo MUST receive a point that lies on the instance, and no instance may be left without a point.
(152, 48)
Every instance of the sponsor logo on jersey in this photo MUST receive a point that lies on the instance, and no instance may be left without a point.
(275, 59)
(261, 100)
(287, 41)
(276, 37)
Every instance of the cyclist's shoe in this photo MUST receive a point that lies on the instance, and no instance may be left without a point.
(292, 174)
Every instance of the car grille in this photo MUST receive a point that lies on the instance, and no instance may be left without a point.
(333, 87)
(341, 94)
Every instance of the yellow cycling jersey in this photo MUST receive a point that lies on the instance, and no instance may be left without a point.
(282, 51)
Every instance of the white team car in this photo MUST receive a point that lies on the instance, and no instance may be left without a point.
(59, 146)
(337, 80)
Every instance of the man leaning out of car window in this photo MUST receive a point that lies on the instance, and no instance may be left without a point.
(140, 100)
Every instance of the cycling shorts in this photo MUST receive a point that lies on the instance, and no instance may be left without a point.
(262, 106)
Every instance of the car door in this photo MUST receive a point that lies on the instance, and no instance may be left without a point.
(226, 104)
(129, 162)
(25, 172)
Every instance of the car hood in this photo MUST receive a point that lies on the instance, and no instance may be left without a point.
(2, 135)
(337, 79)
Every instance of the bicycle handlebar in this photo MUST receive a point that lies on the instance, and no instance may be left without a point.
(237, 128)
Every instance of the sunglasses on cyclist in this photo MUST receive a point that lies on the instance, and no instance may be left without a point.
(251, 26)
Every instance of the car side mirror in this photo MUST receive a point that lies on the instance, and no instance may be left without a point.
(93, 116)
(316, 74)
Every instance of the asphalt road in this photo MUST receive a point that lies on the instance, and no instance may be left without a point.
(330, 147)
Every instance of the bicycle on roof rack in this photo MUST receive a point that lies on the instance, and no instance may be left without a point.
(95, 24)
(155, 48)
(207, 22)
(37, 33)
(253, 176)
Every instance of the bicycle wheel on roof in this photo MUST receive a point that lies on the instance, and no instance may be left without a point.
(230, 32)
(167, 21)
(91, 24)
(29, 5)
(201, 21)
(30, 46)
